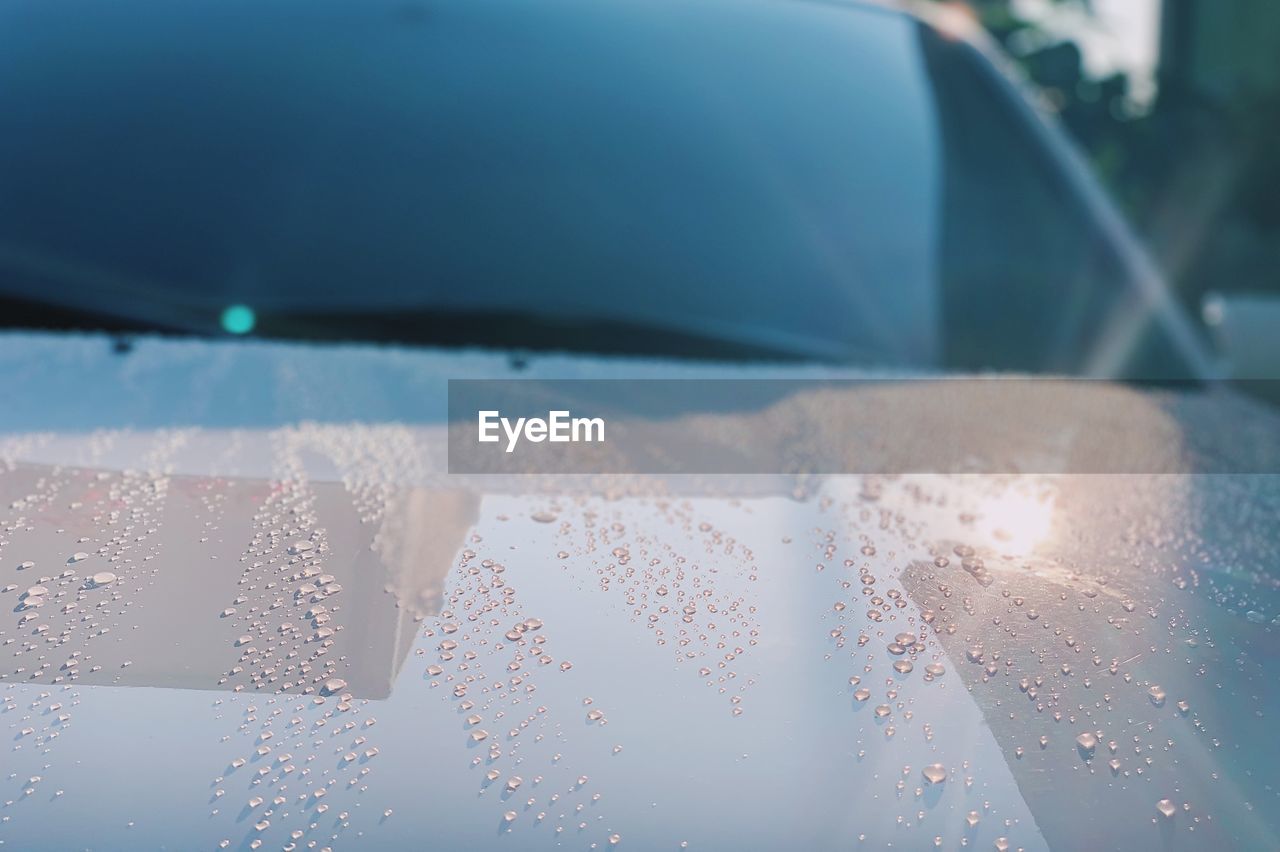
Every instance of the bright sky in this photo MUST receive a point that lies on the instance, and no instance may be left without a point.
(1124, 37)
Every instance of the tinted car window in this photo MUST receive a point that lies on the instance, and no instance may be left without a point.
(853, 189)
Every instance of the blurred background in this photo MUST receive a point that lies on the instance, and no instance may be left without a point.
(1177, 105)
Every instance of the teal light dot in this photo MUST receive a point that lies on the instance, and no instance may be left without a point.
(238, 319)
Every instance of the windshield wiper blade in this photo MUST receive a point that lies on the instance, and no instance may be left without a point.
(527, 332)
(42, 291)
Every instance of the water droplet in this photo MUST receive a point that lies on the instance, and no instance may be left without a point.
(934, 773)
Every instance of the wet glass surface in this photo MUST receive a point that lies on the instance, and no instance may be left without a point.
(731, 662)
(115, 569)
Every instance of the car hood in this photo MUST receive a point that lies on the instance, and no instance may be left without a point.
(245, 605)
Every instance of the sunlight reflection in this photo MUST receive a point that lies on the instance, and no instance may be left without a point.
(1017, 520)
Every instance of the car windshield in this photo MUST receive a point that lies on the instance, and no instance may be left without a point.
(871, 194)
(860, 548)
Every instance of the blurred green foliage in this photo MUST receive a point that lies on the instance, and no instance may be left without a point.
(1197, 176)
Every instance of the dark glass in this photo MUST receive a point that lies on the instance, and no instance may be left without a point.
(838, 184)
